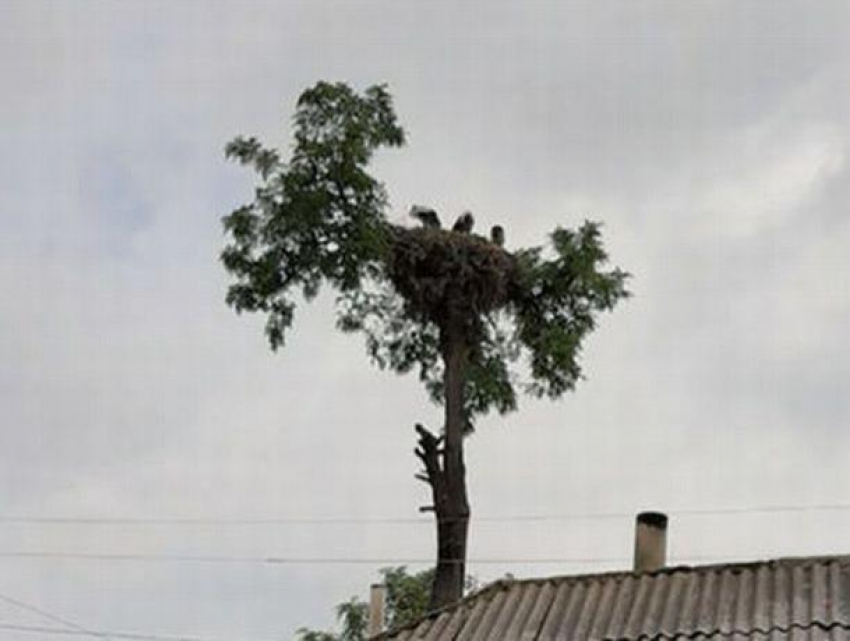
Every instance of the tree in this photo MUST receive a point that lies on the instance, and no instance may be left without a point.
(407, 595)
(457, 307)
(406, 602)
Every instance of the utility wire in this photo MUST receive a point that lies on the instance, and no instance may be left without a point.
(278, 560)
(101, 634)
(577, 516)
(70, 626)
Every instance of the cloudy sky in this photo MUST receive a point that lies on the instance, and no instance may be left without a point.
(711, 138)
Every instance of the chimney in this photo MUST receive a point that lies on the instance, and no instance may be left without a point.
(377, 597)
(650, 541)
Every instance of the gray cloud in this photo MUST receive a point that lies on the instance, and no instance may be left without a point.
(712, 140)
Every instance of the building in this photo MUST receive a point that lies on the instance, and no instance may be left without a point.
(799, 599)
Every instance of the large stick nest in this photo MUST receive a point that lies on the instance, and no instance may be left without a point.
(448, 276)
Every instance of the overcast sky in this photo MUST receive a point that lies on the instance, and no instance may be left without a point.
(710, 138)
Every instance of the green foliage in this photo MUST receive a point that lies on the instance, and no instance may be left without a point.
(406, 602)
(407, 595)
(304, 634)
(354, 616)
(320, 218)
(556, 303)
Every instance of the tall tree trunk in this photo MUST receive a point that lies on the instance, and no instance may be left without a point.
(451, 507)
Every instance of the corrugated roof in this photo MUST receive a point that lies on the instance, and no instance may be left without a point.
(782, 600)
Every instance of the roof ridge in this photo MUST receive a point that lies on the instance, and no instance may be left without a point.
(843, 559)
(507, 583)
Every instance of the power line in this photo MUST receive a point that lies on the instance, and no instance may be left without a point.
(278, 560)
(212, 521)
(100, 634)
(73, 628)
(577, 516)
(70, 626)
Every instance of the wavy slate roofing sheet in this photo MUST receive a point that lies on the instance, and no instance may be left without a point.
(785, 600)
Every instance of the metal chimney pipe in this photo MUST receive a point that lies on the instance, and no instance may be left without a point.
(650, 541)
(377, 600)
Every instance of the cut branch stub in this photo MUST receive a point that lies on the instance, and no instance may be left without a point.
(429, 453)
